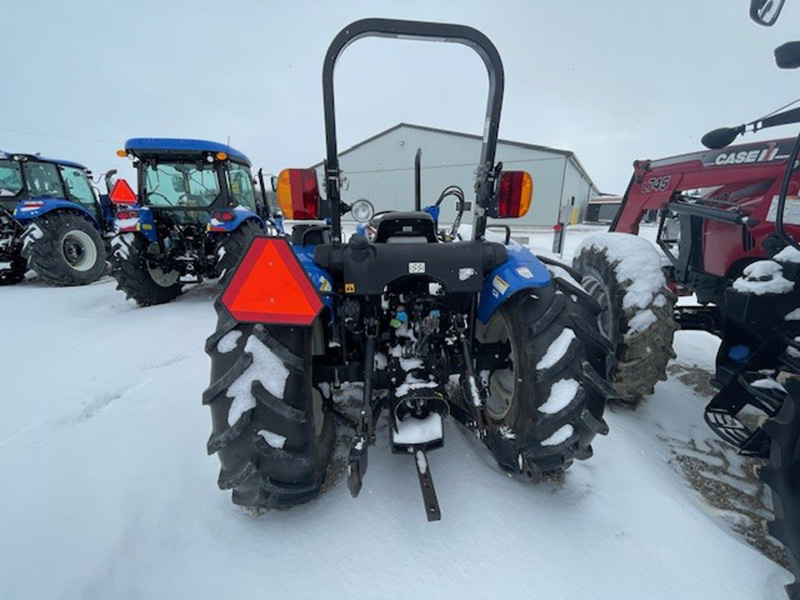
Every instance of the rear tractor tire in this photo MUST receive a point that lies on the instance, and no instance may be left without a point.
(623, 273)
(782, 476)
(64, 249)
(545, 409)
(138, 278)
(271, 431)
(14, 272)
(232, 246)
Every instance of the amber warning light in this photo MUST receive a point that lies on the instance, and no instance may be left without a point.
(271, 286)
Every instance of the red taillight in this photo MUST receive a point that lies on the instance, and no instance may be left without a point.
(225, 215)
(122, 193)
(298, 193)
(127, 214)
(514, 195)
(271, 286)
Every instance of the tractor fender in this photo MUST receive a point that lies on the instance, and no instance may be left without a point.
(28, 210)
(522, 270)
(240, 215)
(144, 223)
(321, 279)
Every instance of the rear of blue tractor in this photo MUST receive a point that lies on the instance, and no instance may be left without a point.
(422, 324)
(191, 217)
(52, 220)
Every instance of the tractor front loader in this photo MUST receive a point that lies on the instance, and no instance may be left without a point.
(432, 327)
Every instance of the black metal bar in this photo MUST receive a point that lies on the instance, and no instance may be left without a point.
(708, 212)
(418, 30)
(432, 510)
(784, 191)
(418, 180)
(369, 368)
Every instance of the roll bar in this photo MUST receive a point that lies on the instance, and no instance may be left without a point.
(417, 30)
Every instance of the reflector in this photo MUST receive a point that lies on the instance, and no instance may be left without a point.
(122, 193)
(298, 193)
(514, 197)
(271, 286)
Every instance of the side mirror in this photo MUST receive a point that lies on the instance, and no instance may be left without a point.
(514, 195)
(122, 193)
(298, 194)
(787, 56)
(362, 210)
(765, 12)
(274, 182)
(719, 138)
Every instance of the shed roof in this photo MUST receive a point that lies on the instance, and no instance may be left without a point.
(567, 153)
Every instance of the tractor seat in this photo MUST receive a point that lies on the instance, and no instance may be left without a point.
(406, 228)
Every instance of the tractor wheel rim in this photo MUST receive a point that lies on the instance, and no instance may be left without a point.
(162, 277)
(502, 384)
(595, 287)
(79, 250)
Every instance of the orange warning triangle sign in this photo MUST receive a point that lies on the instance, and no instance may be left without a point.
(271, 286)
(122, 193)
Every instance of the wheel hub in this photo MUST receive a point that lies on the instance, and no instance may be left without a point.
(79, 250)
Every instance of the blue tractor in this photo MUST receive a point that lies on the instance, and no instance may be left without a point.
(423, 324)
(52, 220)
(193, 215)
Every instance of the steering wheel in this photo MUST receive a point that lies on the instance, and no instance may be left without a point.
(149, 194)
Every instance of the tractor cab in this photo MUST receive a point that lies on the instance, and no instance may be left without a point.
(52, 220)
(194, 211)
(189, 181)
(28, 183)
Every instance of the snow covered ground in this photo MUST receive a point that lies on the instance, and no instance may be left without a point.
(107, 491)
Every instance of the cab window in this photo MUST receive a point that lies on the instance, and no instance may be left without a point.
(240, 183)
(10, 178)
(181, 184)
(42, 180)
(78, 187)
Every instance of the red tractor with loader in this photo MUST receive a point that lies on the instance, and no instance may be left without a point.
(728, 231)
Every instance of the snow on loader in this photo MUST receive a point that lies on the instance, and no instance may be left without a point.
(195, 212)
(431, 326)
(52, 220)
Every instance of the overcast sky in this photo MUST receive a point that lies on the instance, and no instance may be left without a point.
(612, 82)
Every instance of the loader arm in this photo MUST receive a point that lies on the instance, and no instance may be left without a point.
(746, 175)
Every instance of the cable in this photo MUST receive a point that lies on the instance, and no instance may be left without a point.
(777, 110)
(65, 137)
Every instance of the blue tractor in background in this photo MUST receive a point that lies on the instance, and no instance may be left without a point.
(191, 218)
(52, 220)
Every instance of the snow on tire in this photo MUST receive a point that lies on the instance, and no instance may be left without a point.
(546, 407)
(270, 429)
(232, 246)
(140, 280)
(64, 249)
(623, 273)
